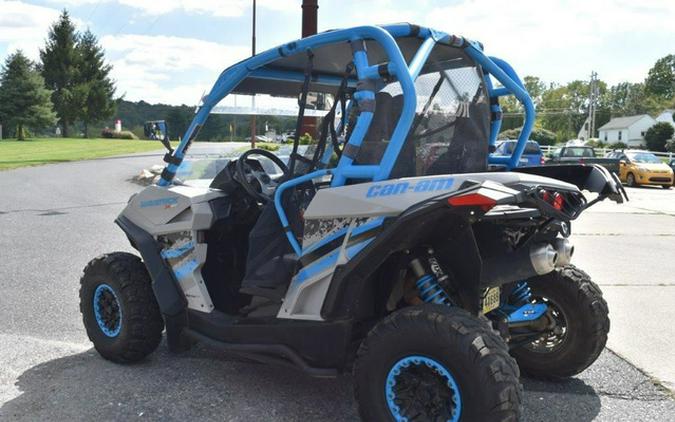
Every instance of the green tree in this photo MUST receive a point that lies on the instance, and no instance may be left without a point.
(657, 136)
(627, 99)
(60, 61)
(542, 136)
(94, 84)
(178, 119)
(563, 109)
(661, 78)
(535, 87)
(24, 100)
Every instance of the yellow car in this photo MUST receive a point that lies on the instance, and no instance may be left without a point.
(643, 168)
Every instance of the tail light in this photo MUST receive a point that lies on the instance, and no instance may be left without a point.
(473, 200)
(554, 199)
(542, 161)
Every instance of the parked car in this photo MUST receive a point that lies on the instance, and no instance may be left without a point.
(532, 156)
(672, 166)
(582, 155)
(643, 168)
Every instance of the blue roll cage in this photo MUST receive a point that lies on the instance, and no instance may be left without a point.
(397, 67)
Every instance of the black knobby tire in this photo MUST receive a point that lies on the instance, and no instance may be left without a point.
(585, 313)
(136, 329)
(487, 378)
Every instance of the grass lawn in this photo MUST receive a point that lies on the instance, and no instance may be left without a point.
(39, 151)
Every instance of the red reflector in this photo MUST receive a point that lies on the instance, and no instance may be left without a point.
(472, 200)
(558, 201)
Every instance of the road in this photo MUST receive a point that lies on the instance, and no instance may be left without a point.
(629, 249)
(53, 219)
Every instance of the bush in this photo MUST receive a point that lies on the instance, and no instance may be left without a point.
(670, 146)
(657, 136)
(111, 134)
(619, 145)
(596, 143)
(267, 146)
(306, 139)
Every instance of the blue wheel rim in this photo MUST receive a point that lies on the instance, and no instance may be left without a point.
(402, 366)
(107, 310)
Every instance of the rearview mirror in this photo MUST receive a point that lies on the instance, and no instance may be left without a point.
(158, 130)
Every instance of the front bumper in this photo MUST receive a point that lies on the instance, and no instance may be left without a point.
(653, 177)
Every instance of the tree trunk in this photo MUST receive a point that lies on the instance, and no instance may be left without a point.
(65, 130)
(86, 130)
(19, 132)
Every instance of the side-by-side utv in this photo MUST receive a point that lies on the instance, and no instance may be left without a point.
(394, 245)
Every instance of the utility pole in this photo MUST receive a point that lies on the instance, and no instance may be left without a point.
(309, 17)
(253, 96)
(593, 93)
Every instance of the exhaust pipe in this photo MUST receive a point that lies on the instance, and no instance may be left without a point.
(565, 250)
(520, 265)
(544, 258)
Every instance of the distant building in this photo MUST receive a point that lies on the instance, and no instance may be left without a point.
(667, 116)
(630, 130)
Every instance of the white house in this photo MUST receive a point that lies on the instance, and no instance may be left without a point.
(630, 130)
(667, 116)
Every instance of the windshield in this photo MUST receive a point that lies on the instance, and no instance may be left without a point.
(643, 157)
(206, 159)
(227, 133)
(579, 152)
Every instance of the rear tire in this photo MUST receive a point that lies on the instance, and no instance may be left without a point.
(119, 309)
(666, 186)
(456, 361)
(579, 301)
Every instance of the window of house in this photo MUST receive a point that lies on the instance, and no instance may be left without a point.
(642, 133)
(619, 135)
(605, 136)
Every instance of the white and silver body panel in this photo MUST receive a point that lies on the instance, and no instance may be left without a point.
(175, 215)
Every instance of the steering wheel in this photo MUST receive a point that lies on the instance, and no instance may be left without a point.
(248, 175)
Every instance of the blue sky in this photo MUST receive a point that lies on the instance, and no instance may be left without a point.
(171, 51)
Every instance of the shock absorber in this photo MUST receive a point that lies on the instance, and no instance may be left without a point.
(521, 294)
(428, 286)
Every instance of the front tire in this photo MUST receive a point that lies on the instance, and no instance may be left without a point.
(630, 180)
(582, 320)
(119, 309)
(436, 363)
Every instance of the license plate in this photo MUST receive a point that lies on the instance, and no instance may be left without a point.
(491, 299)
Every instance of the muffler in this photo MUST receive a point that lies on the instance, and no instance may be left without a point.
(565, 250)
(538, 259)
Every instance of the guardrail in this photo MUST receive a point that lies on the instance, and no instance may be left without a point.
(547, 149)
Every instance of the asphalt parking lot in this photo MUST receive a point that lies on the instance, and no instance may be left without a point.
(53, 219)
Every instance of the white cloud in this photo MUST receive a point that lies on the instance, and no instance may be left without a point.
(524, 31)
(24, 26)
(223, 8)
(149, 67)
